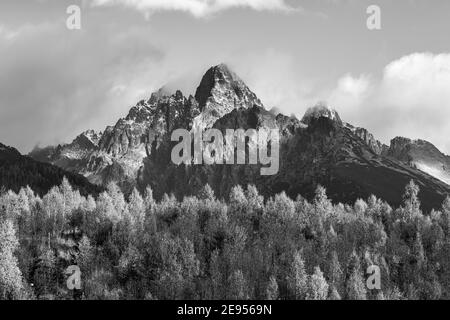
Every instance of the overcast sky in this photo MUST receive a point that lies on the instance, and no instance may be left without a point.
(56, 83)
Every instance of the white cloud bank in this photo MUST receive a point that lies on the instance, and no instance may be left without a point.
(411, 99)
(198, 8)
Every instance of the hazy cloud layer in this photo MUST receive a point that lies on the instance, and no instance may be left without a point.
(63, 87)
(198, 8)
(272, 75)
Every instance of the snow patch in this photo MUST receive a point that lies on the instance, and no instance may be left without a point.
(434, 171)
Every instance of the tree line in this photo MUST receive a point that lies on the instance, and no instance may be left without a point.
(201, 247)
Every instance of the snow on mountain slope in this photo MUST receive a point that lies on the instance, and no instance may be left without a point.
(422, 155)
(438, 171)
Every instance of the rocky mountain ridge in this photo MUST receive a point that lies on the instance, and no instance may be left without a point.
(319, 149)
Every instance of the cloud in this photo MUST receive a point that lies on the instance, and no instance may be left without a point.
(412, 99)
(351, 91)
(54, 83)
(273, 76)
(418, 80)
(197, 8)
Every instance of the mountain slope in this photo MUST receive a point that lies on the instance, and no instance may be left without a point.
(319, 149)
(422, 155)
(220, 92)
(117, 154)
(18, 171)
(322, 151)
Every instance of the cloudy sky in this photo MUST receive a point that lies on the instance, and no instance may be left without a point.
(56, 83)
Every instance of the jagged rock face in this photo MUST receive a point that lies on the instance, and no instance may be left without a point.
(124, 146)
(117, 154)
(325, 152)
(165, 177)
(322, 110)
(400, 148)
(83, 144)
(89, 139)
(368, 138)
(71, 157)
(422, 155)
(221, 91)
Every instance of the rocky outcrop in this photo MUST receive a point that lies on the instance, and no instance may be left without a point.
(400, 148)
(368, 138)
(422, 155)
(323, 152)
(221, 91)
(117, 154)
(321, 110)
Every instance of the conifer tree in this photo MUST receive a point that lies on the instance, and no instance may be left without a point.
(150, 214)
(356, 288)
(45, 275)
(418, 252)
(237, 286)
(272, 289)
(446, 216)
(335, 271)
(355, 285)
(216, 276)
(334, 294)
(136, 208)
(207, 193)
(317, 286)
(411, 201)
(297, 278)
(85, 256)
(11, 286)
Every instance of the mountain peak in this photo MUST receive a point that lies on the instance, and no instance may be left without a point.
(215, 76)
(223, 68)
(321, 109)
(221, 91)
(89, 138)
(163, 92)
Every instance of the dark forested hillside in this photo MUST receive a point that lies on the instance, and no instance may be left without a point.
(18, 171)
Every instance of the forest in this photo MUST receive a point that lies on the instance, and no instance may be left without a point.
(201, 247)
